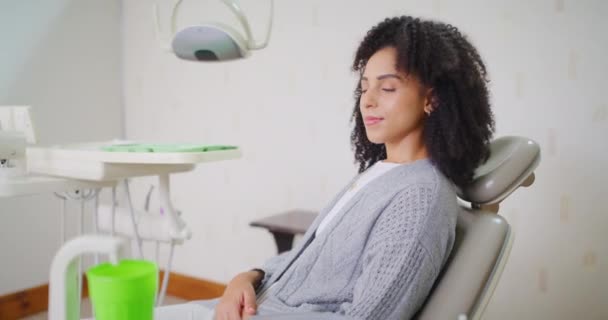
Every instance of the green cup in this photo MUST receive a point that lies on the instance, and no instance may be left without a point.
(126, 291)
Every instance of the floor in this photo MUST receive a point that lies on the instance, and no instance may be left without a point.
(86, 309)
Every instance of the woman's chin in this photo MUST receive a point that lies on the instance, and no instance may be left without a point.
(375, 139)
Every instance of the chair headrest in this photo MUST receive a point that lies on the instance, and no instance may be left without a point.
(512, 161)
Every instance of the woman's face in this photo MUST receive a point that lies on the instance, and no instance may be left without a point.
(392, 103)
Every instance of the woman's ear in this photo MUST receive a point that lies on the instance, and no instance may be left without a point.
(429, 101)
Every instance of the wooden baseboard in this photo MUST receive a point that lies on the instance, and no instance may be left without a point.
(24, 303)
(35, 300)
(189, 288)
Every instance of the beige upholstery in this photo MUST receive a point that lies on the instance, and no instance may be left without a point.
(482, 241)
(512, 160)
(483, 238)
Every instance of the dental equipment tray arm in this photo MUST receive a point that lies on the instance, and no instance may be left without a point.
(119, 160)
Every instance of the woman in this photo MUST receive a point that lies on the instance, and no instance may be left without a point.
(422, 123)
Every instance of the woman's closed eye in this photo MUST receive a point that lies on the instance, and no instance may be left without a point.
(383, 89)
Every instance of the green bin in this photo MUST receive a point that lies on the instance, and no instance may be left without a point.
(126, 291)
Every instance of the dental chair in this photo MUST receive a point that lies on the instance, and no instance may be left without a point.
(483, 238)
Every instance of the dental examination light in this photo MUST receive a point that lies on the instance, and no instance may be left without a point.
(214, 41)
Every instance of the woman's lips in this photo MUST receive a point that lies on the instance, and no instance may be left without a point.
(370, 121)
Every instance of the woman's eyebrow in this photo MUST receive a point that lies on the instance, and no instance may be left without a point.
(384, 76)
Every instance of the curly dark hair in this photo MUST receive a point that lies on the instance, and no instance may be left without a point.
(459, 129)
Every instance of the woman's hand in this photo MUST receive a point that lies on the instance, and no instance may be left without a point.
(238, 301)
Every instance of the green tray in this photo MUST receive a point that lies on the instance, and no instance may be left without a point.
(146, 147)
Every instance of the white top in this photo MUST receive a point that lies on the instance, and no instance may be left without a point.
(378, 169)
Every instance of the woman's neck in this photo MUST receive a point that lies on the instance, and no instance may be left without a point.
(409, 149)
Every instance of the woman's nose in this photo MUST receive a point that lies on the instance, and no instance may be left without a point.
(368, 99)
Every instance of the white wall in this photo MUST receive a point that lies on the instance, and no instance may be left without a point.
(288, 107)
(61, 57)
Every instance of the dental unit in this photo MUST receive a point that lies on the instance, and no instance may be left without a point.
(79, 172)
